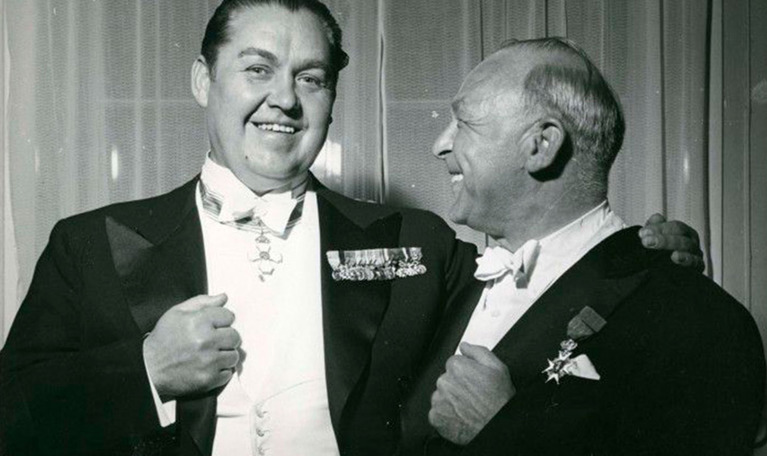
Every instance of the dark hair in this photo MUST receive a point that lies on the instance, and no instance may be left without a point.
(582, 99)
(217, 31)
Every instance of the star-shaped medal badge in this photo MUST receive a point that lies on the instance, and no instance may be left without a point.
(557, 367)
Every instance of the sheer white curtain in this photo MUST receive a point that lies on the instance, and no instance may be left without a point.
(98, 109)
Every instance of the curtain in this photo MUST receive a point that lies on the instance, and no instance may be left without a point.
(97, 109)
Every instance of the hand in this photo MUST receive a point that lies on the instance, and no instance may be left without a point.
(677, 236)
(474, 387)
(192, 348)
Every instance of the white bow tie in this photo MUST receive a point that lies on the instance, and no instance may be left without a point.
(496, 261)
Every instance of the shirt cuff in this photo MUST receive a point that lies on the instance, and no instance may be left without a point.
(166, 411)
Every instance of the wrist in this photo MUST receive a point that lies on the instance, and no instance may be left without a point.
(153, 374)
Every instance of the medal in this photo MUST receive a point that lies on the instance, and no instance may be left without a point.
(587, 323)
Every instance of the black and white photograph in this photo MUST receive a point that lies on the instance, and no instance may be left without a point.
(383, 227)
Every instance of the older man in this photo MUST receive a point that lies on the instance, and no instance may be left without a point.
(579, 341)
(250, 311)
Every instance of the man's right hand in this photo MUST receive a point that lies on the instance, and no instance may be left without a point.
(193, 347)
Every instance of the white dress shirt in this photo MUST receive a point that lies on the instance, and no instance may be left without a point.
(503, 303)
(277, 402)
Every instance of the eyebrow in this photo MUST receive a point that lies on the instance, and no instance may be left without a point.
(252, 51)
(310, 63)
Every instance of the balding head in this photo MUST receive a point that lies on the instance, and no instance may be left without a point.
(555, 77)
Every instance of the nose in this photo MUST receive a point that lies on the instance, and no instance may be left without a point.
(283, 95)
(444, 143)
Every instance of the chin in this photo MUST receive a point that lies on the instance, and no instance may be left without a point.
(457, 217)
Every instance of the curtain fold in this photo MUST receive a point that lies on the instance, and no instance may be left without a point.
(7, 259)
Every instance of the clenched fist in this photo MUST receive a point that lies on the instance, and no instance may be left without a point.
(193, 347)
(475, 385)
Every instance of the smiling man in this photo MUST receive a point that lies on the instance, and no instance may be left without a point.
(250, 311)
(576, 340)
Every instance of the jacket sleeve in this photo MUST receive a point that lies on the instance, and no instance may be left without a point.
(59, 395)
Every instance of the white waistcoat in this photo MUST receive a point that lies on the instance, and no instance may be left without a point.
(277, 403)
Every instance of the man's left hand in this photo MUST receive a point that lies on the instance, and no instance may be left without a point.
(677, 236)
(474, 387)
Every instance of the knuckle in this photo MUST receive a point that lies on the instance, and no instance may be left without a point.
(229, 359)
(436, 397)
(453, 363)
(433, 417)
(199, 342)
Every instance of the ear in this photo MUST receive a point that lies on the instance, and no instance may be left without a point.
(542, 144)
(201, 81)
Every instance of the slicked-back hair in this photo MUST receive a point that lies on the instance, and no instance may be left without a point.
(217, 31)
(581, 98)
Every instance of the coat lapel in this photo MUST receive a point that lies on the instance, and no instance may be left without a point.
(451, 330)
(351, 311)
(415, 415)
(159, 257)
(602, 280)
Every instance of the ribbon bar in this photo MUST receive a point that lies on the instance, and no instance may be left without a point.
(587, 323)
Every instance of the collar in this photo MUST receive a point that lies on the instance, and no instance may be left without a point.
(571, 238)
(559, 250)
(564, 247)
(227, 200)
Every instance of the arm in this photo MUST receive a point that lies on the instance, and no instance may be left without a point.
(70, 397)
(79, 373)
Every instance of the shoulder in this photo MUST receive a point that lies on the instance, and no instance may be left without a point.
(682, 300)
(367, 212)
(684, 310)
(133, 213)
(697, 304)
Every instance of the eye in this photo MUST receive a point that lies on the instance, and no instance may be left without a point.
(258, 70)
(312, 81)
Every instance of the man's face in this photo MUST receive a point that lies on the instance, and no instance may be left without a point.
(481, 148)
(269, 100)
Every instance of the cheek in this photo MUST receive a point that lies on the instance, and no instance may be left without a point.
(318, 109)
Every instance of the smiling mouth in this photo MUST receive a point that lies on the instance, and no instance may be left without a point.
(274, 127)
(455, 178)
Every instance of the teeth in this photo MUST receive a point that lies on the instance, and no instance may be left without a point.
(276, 127)
(456, 178)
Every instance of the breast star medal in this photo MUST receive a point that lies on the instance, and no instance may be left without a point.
(587, 323)
(556, 369)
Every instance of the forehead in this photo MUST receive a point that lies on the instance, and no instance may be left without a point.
(489, 82)
(276, 28)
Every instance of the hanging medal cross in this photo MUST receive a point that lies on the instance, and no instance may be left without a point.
(556, 369)
(263, 257)
(587, 323)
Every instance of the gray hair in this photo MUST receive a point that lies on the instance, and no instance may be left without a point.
(580, 97)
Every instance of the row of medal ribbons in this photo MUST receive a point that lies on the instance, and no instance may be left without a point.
(376, 264)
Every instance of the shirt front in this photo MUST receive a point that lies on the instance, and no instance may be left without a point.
(276, 403)
(503, 302)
